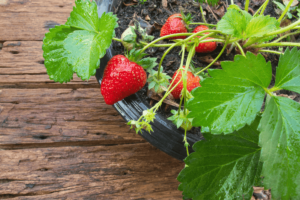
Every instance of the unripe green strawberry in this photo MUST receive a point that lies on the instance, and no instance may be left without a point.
(207, 46)
(192, 82)
(121, 79)
(133, 36)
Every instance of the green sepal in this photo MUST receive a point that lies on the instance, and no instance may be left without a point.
(136, 56)
(181, 120)
(158, 83)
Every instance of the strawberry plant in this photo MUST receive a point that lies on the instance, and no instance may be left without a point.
(252, 135)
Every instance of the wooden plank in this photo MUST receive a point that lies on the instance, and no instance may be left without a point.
(51, 116)
(132, 171)
(22, 65)
(30, 20)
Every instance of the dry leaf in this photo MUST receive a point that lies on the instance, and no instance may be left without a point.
(147, 18)
(286, 2)
(129, 4)
(209, 59)
(164, 3)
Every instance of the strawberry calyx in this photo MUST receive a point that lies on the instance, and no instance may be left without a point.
(146, 63)
(187, 20)
(158, 84)
(181, 119)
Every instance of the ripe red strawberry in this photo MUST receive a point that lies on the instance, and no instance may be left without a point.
(174, 24)
(192, 82)
(121, 79)
(207, 46)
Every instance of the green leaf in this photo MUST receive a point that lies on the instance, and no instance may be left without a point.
(234, 22)
(55, 55)
(86, 47)
(242, 25)
(84, 16)
(280, 6)
(261, 25)
(288, 71)
(223, 167)
(233, 96)
(210, 2)
(280, 142)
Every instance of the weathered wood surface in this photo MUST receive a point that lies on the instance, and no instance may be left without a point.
(61, 141)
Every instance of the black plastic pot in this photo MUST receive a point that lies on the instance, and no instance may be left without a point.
(166, 136)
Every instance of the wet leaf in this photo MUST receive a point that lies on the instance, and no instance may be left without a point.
(223, 167)
(232, 97)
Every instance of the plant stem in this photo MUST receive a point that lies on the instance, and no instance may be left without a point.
(185, 141)
(264, 7)
(270, 51)
(284, 44)
(273, 89)
(240, 48)
(179, 109)
(246, 5)
(282, 30)
(256, 13)
(286, 35)
(117, 39)
(162, 58)
(199, 23)
(202, 14)
(210, 64)
(232, 3)
(268, 92)
(285, 10)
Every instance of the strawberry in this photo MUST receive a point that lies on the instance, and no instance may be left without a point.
(192, 82)
(121, 79)
(176, 23)
(207, 46)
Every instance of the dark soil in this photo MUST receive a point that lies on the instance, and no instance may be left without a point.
(158, 16)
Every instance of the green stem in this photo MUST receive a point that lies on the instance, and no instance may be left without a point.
(240, 48)
(165, 37)
(258, 10)
(270, 51)
(117, 39)
(264, 7)
(201, 32)
(232, 3)
(285, 10)
(273, 89)
(284, 44)
(186, 142)
(224, 47)
(286, 35)
(162, 58)
(158, 45)
(202, 13)
(199, 23)
(179, 109)
(268, 92)
(246, 5)
(282, 30)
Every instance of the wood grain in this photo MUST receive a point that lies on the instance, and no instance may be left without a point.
(131, 171)
(31, 19)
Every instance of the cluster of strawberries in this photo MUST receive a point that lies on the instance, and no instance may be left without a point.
(123, 77)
